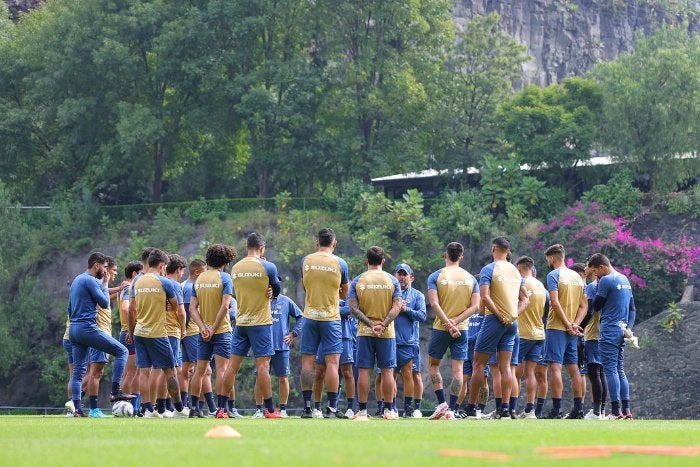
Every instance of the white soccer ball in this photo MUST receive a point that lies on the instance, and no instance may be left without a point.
(123, 409)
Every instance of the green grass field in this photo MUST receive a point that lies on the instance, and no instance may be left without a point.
(55, 440)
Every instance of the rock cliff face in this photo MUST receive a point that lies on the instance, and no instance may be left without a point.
(567, 37)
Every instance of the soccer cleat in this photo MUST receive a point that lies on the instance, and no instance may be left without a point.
(472, 414)
(390, 415)
(528, 415)
(552, 415)
(379, 413)
(513, 416)
(306, 414)
(96, 413)
(70, 407)
(184, 413)
(233, 413)
(504, 414)
(349, 413)
(449, 415)
(275, 414)
(338, 414)
(152, 414)
(167, 414)
(361, 416)
(315, 413)
(120, 396)
(628, 416)
(221, 413)
(575, 415)
(591, 416)
(461, 413)
(258, 414)
(283, 414)
(417, 414)
(78, 414)
(439, 411)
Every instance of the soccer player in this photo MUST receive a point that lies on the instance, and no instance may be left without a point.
(189, 342)
(283, 337)
(473, 327)
(130, 381)
(209, 309)
(454, 297)
(505, 297)
(617, 315)
(407, 326)
(591, 334)
(98, 359)
(568, 307)
(325, 280)
(173, 271)
(252, 277)
(531, 329)
(87, 291)
(375, 300)
(151, 292)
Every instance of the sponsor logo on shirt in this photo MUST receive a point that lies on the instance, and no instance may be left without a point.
(510, 280)
(148, 290)
(623, 286)
(449, 282)
(207, 286)
(241, 275)
(376, 286)
(315, 267)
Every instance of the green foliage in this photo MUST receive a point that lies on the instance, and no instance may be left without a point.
(462, 216)
(481, 66)
(673, 318)
(618, 197)
(553, 127)
(683, 203)
(652, 104)
(507, 188)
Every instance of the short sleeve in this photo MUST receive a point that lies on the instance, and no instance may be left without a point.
(397, 287)
(603, 287)
(227, 284)
(432, 280)
(353, 292)
(486, 274)
(344, 271)
(272, 274)
(553, 281)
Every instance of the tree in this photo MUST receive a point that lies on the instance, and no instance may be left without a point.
(651, 109)
(379, 56)
(554, 127)
(480, 69)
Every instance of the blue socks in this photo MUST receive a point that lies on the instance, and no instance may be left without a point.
(440, 394)
(93, 402)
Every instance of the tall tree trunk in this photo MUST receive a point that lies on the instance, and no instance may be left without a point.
(158, 169)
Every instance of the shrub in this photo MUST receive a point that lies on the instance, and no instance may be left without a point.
(658, 271)
(618, 197)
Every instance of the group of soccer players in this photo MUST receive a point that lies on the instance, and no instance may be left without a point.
(506, 324)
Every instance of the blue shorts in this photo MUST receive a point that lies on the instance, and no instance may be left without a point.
(259, 338)
(69, 349)
(279, 363)
(405, 354)
(129, 347)
(381, 349)
(321, 337)
(560, 347)
(593, 352)
(416, 359)
(530, 350)
(441, 340)
(153, 352)
(516, 350)
(175, 348)
(346, 356)
(189, 349)
(97, 356)
(495, 337)
(219, 344)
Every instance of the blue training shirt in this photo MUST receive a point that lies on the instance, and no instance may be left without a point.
(86, 293)
(283, 308)
(407, 323)
(348, 322)
(614, 296)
